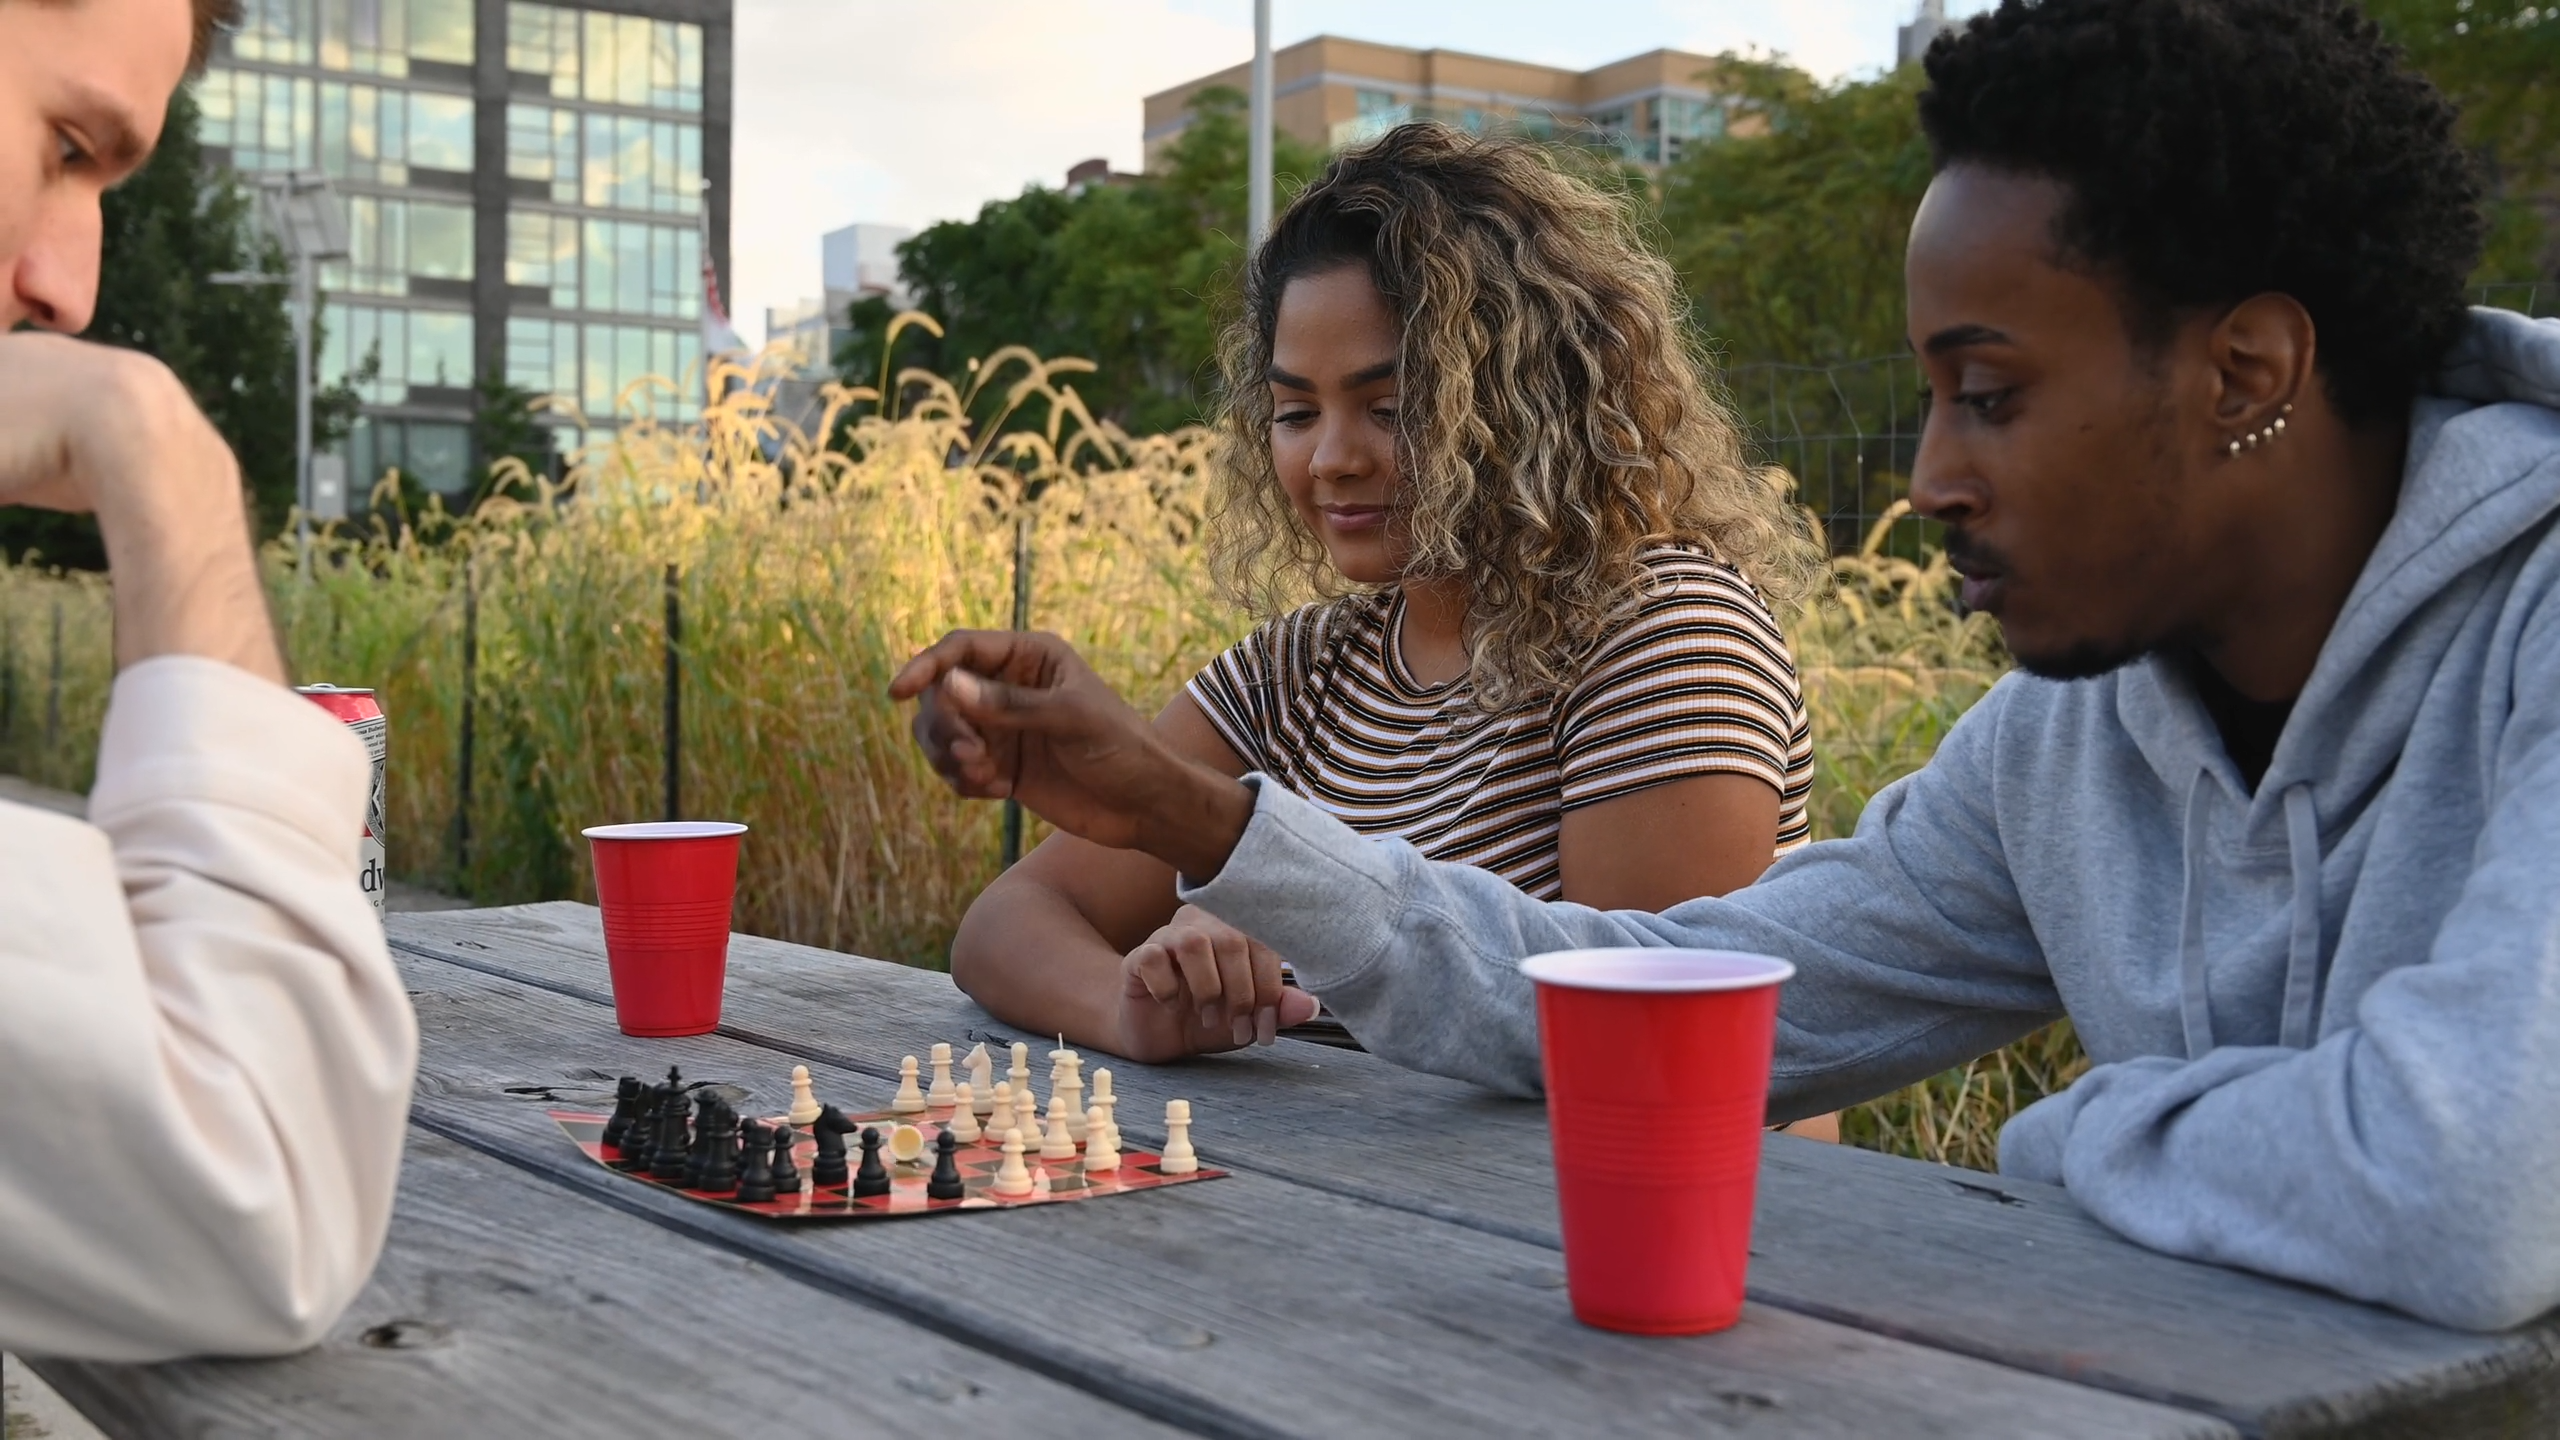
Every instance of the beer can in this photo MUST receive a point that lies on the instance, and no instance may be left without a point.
(358, 710)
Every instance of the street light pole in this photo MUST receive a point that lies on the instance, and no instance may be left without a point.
(1258, 144)
(302, 298)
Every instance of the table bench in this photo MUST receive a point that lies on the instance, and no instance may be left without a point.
(1383, 1261)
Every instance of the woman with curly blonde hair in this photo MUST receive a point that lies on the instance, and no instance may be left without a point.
(1462, 409)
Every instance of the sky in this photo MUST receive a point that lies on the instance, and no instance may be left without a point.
(909, 113)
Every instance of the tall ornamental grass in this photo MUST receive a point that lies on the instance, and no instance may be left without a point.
(807, 568)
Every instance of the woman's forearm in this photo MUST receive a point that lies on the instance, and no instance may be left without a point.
(1026, 953)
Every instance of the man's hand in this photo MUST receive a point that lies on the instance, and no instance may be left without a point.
(1009, 713)
(91, 428)
(1200, 985)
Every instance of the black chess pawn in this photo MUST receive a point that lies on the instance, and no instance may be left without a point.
(626, 1099)
(755, 1178)
(673, 1156)
(786, 1169)
(827, 1171)
(640, 1136)
(873, 1177)
(720, 1152)
(697, 1161)
(945, 1184)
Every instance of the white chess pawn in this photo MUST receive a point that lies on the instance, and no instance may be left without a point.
(941, 1093)
(982, 1079)
(964, 1125)
(1014, 1177)
(906, 1142)
(1069, 1086)
(1020, 1071)
(1026, 1111)
(1059, 1143)
(1000, 1113)
(804, 1105)
(909, 1099)
(1178, 1159)
(1101, 1147)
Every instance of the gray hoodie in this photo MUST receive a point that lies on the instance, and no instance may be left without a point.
(2324, 1018)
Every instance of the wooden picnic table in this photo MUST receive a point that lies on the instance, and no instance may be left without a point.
(1382, 1261)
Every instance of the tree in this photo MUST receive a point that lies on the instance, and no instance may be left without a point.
(503, 428)
(2500, 61)
(166, 232)
(1135, 277)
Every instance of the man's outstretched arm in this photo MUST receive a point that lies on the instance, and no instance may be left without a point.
(206, 1051)
(1912, 951)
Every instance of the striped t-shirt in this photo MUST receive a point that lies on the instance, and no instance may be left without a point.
(1695, 680)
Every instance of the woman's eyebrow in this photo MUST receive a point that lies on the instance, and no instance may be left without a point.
(1280, 377)
(1373, 373)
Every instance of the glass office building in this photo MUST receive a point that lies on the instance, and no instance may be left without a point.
(528, 188)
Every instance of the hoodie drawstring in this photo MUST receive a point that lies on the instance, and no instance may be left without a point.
(2302, 960)
(2194, 1007)
(2302, 953)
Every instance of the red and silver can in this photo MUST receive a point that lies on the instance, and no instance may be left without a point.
(358, 710)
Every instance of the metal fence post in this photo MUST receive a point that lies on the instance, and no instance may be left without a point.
(1021, 621)
(675, 699)
(470, 695)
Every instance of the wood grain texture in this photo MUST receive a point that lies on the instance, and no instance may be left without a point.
(1979, 1265)
(1249, 1306)
(507, 1307)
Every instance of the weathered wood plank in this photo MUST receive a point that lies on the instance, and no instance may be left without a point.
(505, 1306)
(1249, 1306)
(2028, 1281)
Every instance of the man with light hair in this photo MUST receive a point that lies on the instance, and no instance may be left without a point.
(205, 1054)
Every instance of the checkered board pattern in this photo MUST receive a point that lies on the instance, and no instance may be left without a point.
(1051, 1180)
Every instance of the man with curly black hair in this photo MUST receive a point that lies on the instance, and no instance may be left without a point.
(2272, 524)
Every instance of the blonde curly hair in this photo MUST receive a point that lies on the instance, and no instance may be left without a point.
(1558, 416)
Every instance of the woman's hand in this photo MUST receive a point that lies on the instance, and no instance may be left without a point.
(1200, 985)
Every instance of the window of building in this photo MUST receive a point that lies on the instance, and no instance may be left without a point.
(435, 453)
(440, 30)
(377, 37)
(364, 35)
(390, 239)
(542, 356)
(609, 59)
(542, 250)
(1375, 102)
(413, 347)
(639, 269)
(619, 355)
(634, 163)
(351, 131)
(542, 144)
(1688, 122)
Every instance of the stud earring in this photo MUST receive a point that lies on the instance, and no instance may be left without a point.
(2255, 438)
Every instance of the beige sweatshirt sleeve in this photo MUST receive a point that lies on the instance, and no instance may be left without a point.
(205, 1054)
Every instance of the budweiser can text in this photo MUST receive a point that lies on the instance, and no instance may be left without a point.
(360, 713)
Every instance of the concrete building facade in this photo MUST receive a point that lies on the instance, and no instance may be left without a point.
(529, 188)
(854, 263)
(1336, 93)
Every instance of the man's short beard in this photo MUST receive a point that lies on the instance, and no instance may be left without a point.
(2084, 661)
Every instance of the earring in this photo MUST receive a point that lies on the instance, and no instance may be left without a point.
(2255, 438)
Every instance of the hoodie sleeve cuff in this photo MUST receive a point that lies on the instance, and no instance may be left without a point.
(1308, 886)
(183, 728)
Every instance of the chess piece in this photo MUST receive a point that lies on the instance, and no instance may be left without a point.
(673, 1156)
(964, 1115)
(941, 1093)
(873, 1177)
(804, 1105)
(906, 1142)
(1015, 1177)
(626, 1099)
(982, 1080)
(909, 1099)
(1000, 1118)
(1059, 1060)
(640, 1137)
(826, 1168)
(1178, 1158)
(1101, 1089)
(1069, 1086)
(1101, 1147)
(945, 1183)
(1059, 1141)
(786, 1168)
(755, 1178)
(1026, 1115)
(719, 1140)
(705, 1106)
(1020, 1071)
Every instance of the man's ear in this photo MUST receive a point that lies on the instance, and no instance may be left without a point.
(2262, 351)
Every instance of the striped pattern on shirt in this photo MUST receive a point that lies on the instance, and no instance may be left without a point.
(1696, 680)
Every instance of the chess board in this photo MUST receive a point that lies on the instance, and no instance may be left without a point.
(1051, 1180)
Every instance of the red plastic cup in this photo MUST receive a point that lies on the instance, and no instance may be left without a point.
(665, 888)
(1657, 1069)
